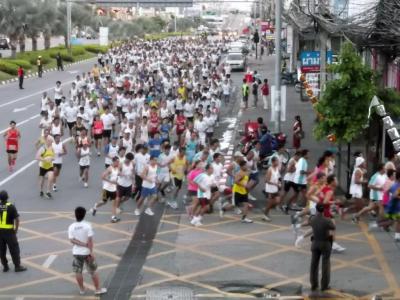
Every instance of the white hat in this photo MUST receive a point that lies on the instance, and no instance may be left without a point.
(359, 161)
(127, 131)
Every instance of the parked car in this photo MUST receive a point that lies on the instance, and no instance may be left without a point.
(4, 44)
(236, 61)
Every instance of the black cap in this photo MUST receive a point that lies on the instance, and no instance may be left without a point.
(3, 196)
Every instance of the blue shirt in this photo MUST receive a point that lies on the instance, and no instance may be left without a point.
(155, 146)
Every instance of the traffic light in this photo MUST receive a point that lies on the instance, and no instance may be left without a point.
(256, 37)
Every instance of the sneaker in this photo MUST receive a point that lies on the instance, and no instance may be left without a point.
(372, 226)
(247, 220)
(6, 268)
(54, 188)
(81, 292)
(41, 194)
(171, 204)
(149, 212)
(85, 184)
(238, 211)
(100, 291)
(194, 220)
(98, 153)
(221, 213)
(266, 218)
(337, 248)
(20, 269)
(93, 211)
(137, 212)
(298, 241)
(251, 197)
(397, 237)
(114, 219)
(296, 228)
(198, 223)
(48, 195)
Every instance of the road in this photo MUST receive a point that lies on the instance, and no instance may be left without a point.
(54, 42)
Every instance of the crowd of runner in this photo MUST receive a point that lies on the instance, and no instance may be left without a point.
(150, 109)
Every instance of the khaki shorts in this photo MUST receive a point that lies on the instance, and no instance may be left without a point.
(81, 260)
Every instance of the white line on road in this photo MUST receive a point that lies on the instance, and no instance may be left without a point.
(49, 261)
(22, 122)
(22, 108)
(22, 169)
(19, 298)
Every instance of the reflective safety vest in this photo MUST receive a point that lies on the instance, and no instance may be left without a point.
(3, 219)
(245, 90)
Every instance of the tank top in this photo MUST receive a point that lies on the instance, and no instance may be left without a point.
(275, 175)
(356, 188)
(55, 129)
(85, 160)
(144, 133)
(150, 181)
(127, 144)
(164, 113)
(47, 153)
(178, 166)
(98, 127)
(240, 189)
(112, 152)
(58, 150)
(125, 175)
(12, 140)
(111, 187)
(327, 207)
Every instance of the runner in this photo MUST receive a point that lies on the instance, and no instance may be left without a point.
(45, 155)
(59, 151)
(178, 170)
(149, 186)
(12, 137)
(84, 154)
(272, 187)
(125, 181)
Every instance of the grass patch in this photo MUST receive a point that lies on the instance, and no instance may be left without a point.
(5, 76)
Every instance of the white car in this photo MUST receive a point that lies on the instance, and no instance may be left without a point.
(236, 61)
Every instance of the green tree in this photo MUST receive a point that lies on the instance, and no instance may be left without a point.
(345, 102)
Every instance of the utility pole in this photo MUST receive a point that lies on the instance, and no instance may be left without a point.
(323, 38)
(69, 26)
(277, 100)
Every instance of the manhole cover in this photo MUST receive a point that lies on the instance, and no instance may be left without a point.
(169, 293)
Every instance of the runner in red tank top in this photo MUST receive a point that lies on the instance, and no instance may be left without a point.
(12, 136)
(154, 121)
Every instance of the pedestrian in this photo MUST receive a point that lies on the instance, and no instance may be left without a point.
(39, 64)
(59, 62)
(321, 246)
(45, 156)
(254, 91)
(298, 133)
(272, 187)
(245, 93)
(80, 234)
(265, 93)
(21, 77)
(12, 137)
(9, 224)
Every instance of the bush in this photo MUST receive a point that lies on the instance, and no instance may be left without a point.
(67, 57)
(20, 62)
(78, 51)
(96, 49)
(8, 67)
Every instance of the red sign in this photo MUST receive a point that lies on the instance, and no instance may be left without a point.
(309, 69)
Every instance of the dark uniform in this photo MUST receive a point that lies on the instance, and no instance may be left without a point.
(8, 236)
(321, 246)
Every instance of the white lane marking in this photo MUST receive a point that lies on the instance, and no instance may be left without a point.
(22, 108)
(73, 71)
(19, 298)
(22, 122)
(22, 169)
(49, 261)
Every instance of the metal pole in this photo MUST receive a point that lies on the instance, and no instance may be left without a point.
(174, 23)
(69, 25)
(278, 65)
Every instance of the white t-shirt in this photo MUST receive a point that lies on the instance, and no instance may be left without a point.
(108, 121)
(80, 231)
(70, 113)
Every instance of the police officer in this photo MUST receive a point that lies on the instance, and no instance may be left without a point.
(9, 223)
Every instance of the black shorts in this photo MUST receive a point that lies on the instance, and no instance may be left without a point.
(299, 187)
(240, 198)
(71, 124)
(124, 191)
(12, 151)
(190, 119)
(204, 202)
(107, 133)
(98, 136)
(43, 172)
(287, 185)
(191, 194)
(119, 109)
(107, 195)
(57, 166)
(57, 101)
(214, 189)
(178, 182)
(83, 168)
(245, 98)
(138, 182)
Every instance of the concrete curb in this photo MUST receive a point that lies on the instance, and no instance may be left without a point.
(35, 74)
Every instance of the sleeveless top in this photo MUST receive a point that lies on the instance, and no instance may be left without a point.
(111, 187)
(152, 175)
(85, 160)
(275, 175)
(47, 153)
(240, 189)
(58, 149)
(12, 140)
(125, 175)
(55, 129)
(356, 188)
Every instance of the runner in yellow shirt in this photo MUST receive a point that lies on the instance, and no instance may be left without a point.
(178, 170)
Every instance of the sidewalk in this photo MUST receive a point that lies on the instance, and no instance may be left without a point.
(230, 260)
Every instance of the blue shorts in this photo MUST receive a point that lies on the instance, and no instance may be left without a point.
(254, 177)
(147, 192)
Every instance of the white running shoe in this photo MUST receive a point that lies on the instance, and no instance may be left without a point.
(296, 228)
(299, 241)
(54, 188)
(266, 218)
(100, 291)
(238, 211)
(85, 185)
(194, 220)
(337, 248)
(251, 197)
(137, 212)
(198, 223)
(149, 212)
(247, 220)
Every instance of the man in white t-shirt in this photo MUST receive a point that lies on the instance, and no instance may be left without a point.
(80, 234)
